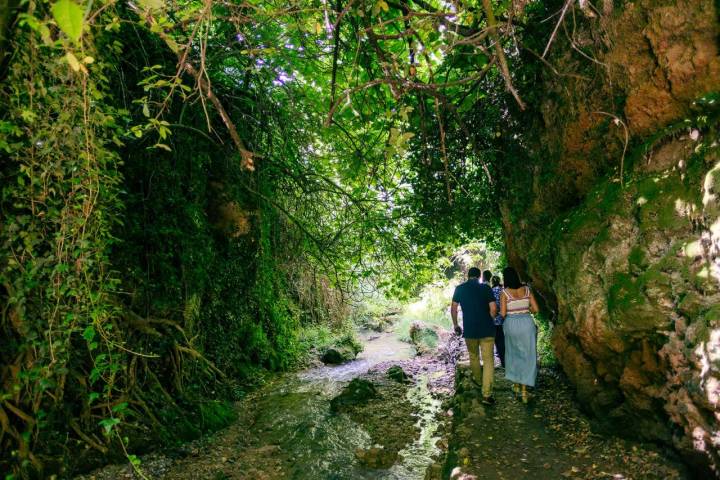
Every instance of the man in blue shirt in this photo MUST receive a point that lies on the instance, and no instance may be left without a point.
(478, 307)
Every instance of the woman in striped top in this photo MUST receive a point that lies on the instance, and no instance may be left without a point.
(517, 304)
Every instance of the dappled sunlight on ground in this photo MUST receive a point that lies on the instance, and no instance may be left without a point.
(548, 439)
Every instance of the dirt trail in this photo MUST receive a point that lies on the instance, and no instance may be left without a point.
(550, 438)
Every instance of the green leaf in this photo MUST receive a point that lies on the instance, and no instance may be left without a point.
(89, 333)
(73, 62)
(108, 423)
(151, 5)
(69, 17)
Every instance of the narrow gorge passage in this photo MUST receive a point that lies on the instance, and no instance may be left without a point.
(226, 224)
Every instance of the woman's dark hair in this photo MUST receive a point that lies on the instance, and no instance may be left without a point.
(495, 281)
(511, 279)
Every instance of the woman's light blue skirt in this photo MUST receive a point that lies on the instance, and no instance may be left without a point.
(520, 349)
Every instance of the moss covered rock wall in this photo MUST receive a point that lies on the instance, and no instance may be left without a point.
(616, 223)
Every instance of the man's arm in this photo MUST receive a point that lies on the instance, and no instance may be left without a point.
(490, 298)
(453, 314)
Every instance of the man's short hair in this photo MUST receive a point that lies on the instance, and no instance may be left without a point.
(486, 275)
(474, 272)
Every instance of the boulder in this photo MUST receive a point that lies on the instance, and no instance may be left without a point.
(398, 374)
(337, 355)
(424, 337)
(357, 392)
(344, 350)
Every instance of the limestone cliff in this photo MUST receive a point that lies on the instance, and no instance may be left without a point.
(631, 270)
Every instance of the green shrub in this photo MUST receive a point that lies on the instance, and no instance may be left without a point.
(545, 350)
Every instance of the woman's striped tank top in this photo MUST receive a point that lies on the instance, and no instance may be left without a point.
(518, 305)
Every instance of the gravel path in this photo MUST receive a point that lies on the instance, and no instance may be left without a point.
(550, 438)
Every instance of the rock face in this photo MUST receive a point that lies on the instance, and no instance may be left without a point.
(631, 272)
(638, 317)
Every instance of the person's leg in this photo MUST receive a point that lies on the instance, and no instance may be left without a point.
(509, 328)
(500, 344)
(473, 345)
(488, 371)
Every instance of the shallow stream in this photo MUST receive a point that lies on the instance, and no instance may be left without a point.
(285, 429)
(294, 414)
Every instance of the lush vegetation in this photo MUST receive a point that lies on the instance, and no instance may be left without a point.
(193, 191)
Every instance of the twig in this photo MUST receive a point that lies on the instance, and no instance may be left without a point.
(408, 85)
(443, 150)
(86, 438)
(443, 18)
(336, 49)
(247, 155)
(194, 353)
(557, 25)
(343, 13)
(550, 65)
(570, 38)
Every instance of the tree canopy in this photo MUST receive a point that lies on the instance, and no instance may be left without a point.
(186, 184)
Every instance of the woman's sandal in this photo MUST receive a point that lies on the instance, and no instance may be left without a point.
(525, 396)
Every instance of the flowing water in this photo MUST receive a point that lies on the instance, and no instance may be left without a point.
(294, 414)
(286, 430)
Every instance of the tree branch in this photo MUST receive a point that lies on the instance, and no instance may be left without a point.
(502, 60)
(430, 87)
(204, 86)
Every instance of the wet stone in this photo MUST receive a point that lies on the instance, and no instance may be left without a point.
(425, 338)
(336, 356)
(376, 457)
(357, 392)
(397, 373)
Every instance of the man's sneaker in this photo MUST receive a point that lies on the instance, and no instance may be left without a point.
(488, 401)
